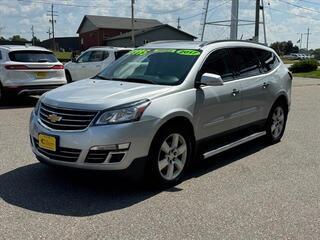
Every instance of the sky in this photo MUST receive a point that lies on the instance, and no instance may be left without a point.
(285, 19)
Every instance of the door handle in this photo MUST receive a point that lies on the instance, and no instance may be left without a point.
(235, 92)
(265, 85)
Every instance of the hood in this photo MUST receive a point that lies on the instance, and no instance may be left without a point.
(94, 94)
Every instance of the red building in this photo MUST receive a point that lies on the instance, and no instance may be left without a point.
(94, 30)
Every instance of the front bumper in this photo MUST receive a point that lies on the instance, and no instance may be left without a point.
(138, 134)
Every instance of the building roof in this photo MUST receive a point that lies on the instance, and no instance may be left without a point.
(118, 22)
(145, 30)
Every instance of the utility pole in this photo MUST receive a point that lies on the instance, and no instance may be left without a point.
(308, 34)
(49, 32)
(264, 24)
(52, 14)
(204, 19)
(132, 23)
(257, 22)
(179, 27)
(32, 32)
(234, 20)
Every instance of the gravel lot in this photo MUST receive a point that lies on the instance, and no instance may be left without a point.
(255, 191)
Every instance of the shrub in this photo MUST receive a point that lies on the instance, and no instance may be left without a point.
(304, 66)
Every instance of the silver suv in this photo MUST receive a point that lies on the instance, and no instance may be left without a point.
(162, 103)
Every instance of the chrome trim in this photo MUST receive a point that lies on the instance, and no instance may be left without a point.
(234, 144)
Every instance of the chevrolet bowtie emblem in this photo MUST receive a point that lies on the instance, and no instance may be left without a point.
(54, 118)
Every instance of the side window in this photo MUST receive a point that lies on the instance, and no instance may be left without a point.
(219, 62)
(105, 55)
(84, 57)
(96, 56)
(246, 60)
(269, 60)
(119, 54)
(0, 55)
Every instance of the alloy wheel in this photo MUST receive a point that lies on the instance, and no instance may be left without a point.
(278, 120)
(172, 156)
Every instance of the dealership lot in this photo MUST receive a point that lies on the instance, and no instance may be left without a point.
(253, 191)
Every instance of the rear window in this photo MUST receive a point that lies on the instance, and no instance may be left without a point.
(32, 56)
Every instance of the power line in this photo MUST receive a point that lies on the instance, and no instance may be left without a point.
(298, 6)
(297, 15)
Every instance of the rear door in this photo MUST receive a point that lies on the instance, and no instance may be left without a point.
(218, 106)
(251, 80)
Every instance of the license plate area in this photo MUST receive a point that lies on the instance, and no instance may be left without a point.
(41, 75)
(48, 142)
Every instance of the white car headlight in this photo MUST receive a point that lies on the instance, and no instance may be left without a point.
(123, 114)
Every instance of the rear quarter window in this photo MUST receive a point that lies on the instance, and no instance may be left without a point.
(119, 54)
(32, 56)
(268, 60)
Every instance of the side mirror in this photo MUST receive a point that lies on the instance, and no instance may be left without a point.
(210, 79)
(74, 59)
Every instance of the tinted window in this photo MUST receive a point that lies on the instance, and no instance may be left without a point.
(84, 57)
(0, 55)
(246, 61)
(32, 56)
(269, 60)
(219, 62)
(119, 54)
(96, 56)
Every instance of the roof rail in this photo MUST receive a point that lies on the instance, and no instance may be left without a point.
(218, 41)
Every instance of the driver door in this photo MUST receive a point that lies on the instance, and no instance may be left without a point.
(218, 106)
(79, 68)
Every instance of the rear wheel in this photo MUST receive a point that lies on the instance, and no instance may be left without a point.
(276, 122)
(169, 156)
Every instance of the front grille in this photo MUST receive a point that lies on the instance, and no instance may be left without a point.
(62, 154)
(66, 119)
(100, 156)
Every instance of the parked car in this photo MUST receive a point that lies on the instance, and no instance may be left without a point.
(92, 61)
(160, 104)
(28, 70)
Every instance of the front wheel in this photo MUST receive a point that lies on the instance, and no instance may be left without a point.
(276, 123)
(169, 156)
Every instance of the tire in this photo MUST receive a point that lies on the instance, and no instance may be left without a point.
(276, 122)
(169, 156)
(68, 77)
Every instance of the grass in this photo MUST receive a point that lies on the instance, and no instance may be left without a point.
(285, 61)
(63, 55)
(313, 74)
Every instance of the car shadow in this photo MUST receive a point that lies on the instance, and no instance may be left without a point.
(75, 193)
(19, 102)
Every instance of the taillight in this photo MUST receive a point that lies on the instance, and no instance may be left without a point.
(16, 67)
(58, 67)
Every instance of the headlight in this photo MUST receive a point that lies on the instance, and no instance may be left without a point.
(36, 108)
(123, 114)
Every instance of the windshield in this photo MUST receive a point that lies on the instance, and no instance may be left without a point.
(155, 66)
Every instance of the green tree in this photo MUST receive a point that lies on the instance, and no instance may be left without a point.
(17, 38)
(284, 48)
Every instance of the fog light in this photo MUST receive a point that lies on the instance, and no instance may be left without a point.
(121, 146)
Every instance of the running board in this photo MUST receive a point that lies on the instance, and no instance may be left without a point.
(234, 144)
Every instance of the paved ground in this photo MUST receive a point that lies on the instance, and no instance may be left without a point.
(252, 192)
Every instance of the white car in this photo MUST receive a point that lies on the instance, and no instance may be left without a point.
(92, 61)
(28, 70)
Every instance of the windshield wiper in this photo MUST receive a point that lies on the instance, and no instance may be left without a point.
(137, 80)
(101, 77)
